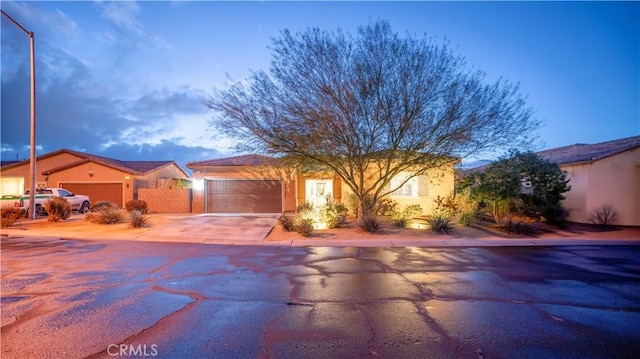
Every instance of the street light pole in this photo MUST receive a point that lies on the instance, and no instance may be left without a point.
(32, 152)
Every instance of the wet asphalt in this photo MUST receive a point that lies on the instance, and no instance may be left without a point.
(125, 299)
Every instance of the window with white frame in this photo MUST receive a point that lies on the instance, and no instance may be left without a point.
(408, 189)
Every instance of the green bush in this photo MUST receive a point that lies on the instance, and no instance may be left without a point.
(440, 224)
(106, 214)
(9, 216)
(401, 218)
(333, 214)
(287, 222)
(304, 226)
(138, 219)
(370, 224)
(58, 209)
(137, 205)
(467, 218)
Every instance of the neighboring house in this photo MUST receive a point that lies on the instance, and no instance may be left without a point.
(257, 184)
(606, 173)
(101, 178)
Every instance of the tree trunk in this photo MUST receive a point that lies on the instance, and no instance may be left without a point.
(363, 210)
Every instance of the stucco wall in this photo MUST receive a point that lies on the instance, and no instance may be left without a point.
(437, 182)
(613, 180)
(42, 164)
(166, 200)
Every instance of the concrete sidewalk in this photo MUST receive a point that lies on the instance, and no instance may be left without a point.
(264, 230)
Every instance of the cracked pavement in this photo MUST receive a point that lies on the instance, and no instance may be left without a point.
(89, 299)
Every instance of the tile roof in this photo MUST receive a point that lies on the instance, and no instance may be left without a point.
(581, 152)
(244, 160)
(132, 167)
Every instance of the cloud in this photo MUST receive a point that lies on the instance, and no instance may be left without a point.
(121, 13)
(128, 30)
(41, 21)
(76, 110)
(97, 106)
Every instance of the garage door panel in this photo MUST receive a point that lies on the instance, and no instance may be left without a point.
(244, 196)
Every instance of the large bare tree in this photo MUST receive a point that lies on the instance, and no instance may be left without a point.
(375, 102)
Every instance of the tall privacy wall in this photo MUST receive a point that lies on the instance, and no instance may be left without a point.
(164, 200)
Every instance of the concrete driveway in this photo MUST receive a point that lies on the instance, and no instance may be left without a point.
(205, 228)
(186, 228)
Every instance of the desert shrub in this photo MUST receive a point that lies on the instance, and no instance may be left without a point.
(305, 207)
(520, 225)
(440, 223)
(467, 211)
(138, 218)
(370, 224)
(304, 226)
(287, 222)
(306, 211)
(135, 204)
(401, 218)
(101, 204)
(9, 216)
(333, 214)
(467, 218)
(106, 214)
(385, 207)
(446, 206)
(606, 215)
(58, 209)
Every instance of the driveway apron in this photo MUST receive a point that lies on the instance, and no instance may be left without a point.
(210, 227)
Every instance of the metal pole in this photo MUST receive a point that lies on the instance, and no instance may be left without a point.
(32, 152)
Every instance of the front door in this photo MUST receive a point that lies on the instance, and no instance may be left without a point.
(318, 191)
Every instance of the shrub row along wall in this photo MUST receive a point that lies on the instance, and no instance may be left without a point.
(166, 200)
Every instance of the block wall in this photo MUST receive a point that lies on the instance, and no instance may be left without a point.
(166, 200)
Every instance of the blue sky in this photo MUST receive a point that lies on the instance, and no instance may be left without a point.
(128, 79)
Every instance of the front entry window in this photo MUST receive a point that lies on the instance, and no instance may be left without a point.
(318, 191)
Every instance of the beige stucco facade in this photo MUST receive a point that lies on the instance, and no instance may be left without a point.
(613, 180)
(438, 182)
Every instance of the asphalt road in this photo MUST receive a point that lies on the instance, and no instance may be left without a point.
(78, 299)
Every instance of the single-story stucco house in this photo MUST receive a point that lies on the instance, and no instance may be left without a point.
(101, 178)
(606, 173)
(258, 184)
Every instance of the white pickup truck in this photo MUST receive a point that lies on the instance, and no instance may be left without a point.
(78, 202)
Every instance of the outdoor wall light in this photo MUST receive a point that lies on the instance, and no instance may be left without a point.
(90, 173)
(198, 184)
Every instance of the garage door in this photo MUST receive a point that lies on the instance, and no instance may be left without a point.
(244, 196)
(98, 191)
